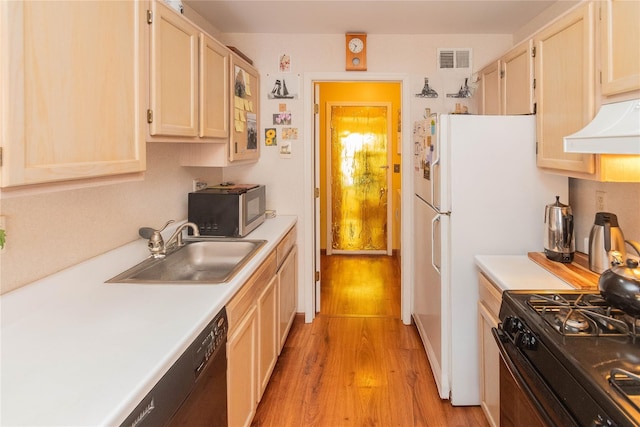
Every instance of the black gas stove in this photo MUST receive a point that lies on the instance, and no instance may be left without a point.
(582, 351)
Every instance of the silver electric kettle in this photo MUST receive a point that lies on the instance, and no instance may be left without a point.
(606, 243)
(559, 240)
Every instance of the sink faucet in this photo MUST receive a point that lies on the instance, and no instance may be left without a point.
(177, 235)
(157, 246)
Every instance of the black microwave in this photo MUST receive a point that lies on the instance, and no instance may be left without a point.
(231, 210)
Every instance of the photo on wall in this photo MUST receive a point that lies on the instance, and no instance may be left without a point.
(284, 63)
(282, 118)
(270, 138)
(283, 86)
(252, 131)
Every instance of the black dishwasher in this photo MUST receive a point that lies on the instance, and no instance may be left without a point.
(194, 389)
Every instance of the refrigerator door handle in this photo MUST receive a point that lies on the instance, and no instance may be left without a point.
(435, 165)
(433, 243)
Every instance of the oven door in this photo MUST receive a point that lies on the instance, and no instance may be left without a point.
(525, 397)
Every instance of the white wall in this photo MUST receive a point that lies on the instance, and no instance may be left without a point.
(51, 230)
(319, 55)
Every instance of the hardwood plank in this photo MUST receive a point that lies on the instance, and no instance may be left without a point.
(359, 365)
(360, 285)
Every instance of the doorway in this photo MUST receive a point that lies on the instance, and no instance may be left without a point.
(358, 179)
(358, 93)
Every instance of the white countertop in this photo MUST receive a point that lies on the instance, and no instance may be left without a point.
(77, 351)
(518, 272)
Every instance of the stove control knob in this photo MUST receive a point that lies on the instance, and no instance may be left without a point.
(512, 325)
(603, 422)
(526, 340)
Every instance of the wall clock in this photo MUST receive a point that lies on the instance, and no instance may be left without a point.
(356, 48)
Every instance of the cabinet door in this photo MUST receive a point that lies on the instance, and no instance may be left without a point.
(517, 80)
(214, 88)
(245, 93)
(288, 290)
(242, 370)
(174, 74)
(490, 78)
(267, 334)
(619, 35)
(72, 80)
(564, 90)
(489, 366)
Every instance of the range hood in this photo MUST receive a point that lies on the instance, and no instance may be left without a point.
(614, 130)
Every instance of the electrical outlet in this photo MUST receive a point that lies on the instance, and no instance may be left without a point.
(601, 201)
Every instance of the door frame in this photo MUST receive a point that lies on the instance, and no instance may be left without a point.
(329, 216)
(311, 232)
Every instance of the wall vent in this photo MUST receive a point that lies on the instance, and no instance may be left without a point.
(454, 59)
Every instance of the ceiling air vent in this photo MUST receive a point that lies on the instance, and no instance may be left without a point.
(454, 59)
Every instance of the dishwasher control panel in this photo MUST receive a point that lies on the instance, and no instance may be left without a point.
(166, 398)
(214, 336)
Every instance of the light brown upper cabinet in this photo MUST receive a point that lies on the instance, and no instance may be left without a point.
(174, 74)
(517, 80)
(241, 146)
(73, 76)
(189, 80)
(490, 89)
(619, 35)
(506, 85)
(214, 88)
(202, 95)
(565, 90)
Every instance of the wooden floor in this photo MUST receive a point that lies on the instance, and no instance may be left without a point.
(357, 364)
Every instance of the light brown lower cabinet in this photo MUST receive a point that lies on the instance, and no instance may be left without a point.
(260, 316)
(267, 334)
(241, 371)
(488, 309)
(252, 325)
(287, 295)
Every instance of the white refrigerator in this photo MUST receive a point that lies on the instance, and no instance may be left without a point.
(477, 192)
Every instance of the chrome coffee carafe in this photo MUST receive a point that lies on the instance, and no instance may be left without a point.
(559, 240)
(606, 243)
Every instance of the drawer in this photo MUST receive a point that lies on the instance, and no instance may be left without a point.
(285, 245)
(248, 294)
(490, 294)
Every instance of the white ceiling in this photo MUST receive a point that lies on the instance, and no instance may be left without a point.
(372, 17)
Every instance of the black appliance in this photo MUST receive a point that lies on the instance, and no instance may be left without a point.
(576, 358)
(194, 389)
(227, 210)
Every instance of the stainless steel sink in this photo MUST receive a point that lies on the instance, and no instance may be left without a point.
(200, 260)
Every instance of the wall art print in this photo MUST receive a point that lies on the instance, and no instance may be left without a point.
(270, 137)
(283, 86)
(282, 118)
(285, 151)
(289, 133)
(284, 63)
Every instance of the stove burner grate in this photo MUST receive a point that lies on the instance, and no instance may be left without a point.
(583, 315)
(627, 384)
